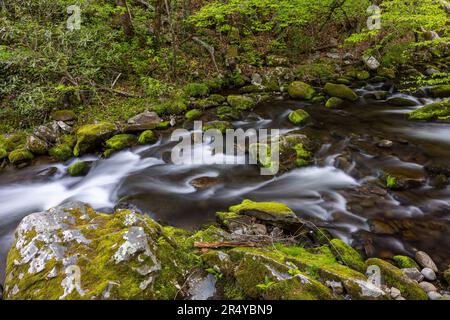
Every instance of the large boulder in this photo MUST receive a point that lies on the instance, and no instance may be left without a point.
(301, 90)
(147, 120)
(442, 91)
(73, 252)
(90, 136)
(340, 91)
(46, 134)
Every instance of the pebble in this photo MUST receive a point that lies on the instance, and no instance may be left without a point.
(425, 261)
(395, 293)
(400, 298)
(428, 287)
(385, 144)
(433, 295)
(413, 273)
(428, 274)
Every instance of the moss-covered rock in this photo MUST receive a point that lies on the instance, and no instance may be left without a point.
(196, 90)
(91, 136)
(402, 102)
(393, 277)
(242, 103)
(13, 141)
(301, 90)
(442, 91)
(386, 72)
(405, 262)
(61, 152)
(228, 113)
(436, 110)
(121, 141)
(147, 137)
(108, 256)
(20, 156)
(447, 276)
(340, 91)
(63, 115)
(334, 102)
(78, 169)
(193, 114)
(299, 117)
(221, 126)
(347, 255)
(3, 154)
(36, 145)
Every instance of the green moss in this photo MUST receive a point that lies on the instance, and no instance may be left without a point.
(242, 103)
(210, 233)
(61, 152)
(334, 102)
(385, 72)
(301, 90)
(228, 113)
(147, 137)
(121, 141)
(174, 106)
(392, 182)
(13, 141)
(442, 91)
(90, 136)
(299, 117)
(347, 255)
(3, 154)
(432, 111)
(193, 114)
(221, 126)
(37, 146)
(393, 277)
(303, 155)
(340, 91)
(272, 207)
(232, 291)
(405, 262)
(163, 125)
(20, 156)
(78, 169)
(447, 276)
(196, 90)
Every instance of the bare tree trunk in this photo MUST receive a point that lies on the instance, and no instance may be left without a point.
(125, 18)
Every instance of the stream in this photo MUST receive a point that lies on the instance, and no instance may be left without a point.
(341, 192)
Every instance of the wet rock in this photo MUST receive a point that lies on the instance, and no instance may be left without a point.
(436, 110)
(221, 126)
(272, 213)
(394, 277)
(301, 90)
(439, 181)
(429, 274)
(433, 295)
(334, 102)
(147, 137)
(204, 182)
(20, 156)
(79, 169)
(385, 143)
(36, 145)
(64, 127)
(63, 115)
(241, 103)
(402, 102)
(413, 273)
(340, 91)
(425, 261)
(72, 252)
(299, 117)
(376, 95)
(428, 287)
(91, 136)
(146, 120)
(402, 182)
(121, 141)
(61, 152)
(442, 91)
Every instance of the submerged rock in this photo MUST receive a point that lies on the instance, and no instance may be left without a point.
(299, 117)
(334, 102)
(72, 252)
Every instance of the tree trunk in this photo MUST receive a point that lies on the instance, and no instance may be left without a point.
(125, 18)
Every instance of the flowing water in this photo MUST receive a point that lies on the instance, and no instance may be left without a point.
(341, 192)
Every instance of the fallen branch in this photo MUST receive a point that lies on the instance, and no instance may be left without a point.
(210, 49)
